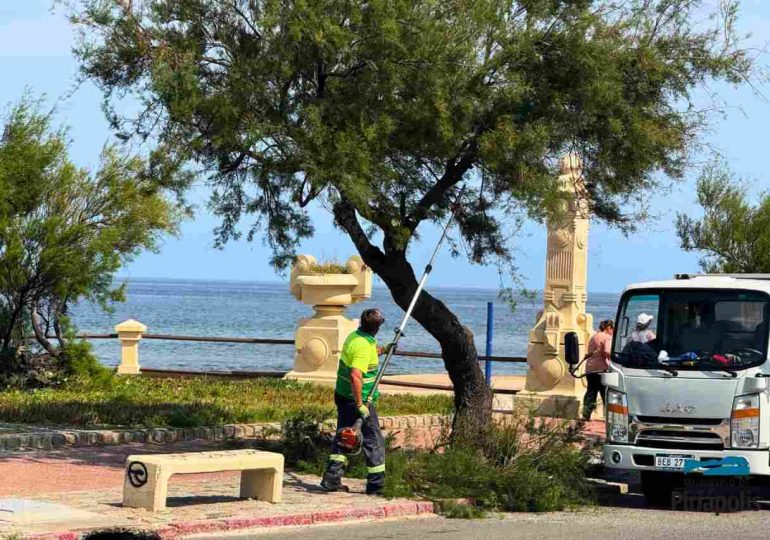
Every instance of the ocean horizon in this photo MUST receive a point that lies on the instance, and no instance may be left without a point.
(266, 309)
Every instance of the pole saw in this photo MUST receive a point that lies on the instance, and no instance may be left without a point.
(350, 439)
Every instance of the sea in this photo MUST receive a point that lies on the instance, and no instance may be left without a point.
(268, 310)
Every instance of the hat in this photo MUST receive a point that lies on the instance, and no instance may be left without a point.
(644, 319)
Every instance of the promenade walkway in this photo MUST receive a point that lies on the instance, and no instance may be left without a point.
(52, 493)
(75, 489)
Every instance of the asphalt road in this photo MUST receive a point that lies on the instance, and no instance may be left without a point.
(627, 517)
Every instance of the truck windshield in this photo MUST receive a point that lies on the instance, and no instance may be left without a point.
(692, 329)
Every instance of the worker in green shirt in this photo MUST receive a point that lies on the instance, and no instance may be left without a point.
(355, 378)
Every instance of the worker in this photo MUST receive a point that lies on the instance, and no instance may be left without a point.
(355, 379)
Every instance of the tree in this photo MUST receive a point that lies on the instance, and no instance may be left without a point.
(733, 235)
(381, 109)
(65, 231)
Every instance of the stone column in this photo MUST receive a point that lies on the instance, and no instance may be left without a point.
(564, 298)
(318, 339)
(130, 334)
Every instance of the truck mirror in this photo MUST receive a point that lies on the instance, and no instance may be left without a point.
(571, 348)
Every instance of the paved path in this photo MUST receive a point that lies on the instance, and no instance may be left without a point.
(82, 488)
(591, 524)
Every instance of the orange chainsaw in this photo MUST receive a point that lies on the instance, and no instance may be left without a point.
(349, 439)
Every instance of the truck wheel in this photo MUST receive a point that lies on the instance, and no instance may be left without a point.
(658, 486)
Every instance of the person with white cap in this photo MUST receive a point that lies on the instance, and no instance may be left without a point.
(643, 334)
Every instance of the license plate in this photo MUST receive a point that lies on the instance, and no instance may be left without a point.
(670, 462)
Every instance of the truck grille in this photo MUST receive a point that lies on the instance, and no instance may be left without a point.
(682, 421)
(681, 434)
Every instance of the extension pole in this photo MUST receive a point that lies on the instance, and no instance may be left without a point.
(408, 313)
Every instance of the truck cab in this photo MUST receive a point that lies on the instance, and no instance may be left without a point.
(691, 383)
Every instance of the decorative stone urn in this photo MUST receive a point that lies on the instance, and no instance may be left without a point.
(318, 340)
(549, 383)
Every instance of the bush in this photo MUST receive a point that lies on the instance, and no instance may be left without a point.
(527, 464)
(303, 444)
(79, 362)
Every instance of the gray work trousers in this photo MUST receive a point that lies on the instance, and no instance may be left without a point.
(373, 446)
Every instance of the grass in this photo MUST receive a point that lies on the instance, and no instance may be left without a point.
(200, 401)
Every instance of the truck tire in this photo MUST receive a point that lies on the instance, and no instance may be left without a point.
(658, 486)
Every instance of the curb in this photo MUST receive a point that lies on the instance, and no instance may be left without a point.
(53, 438)
(185, 528)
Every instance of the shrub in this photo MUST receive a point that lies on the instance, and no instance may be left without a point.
(78, 361)
(525, 464)
(303, 443)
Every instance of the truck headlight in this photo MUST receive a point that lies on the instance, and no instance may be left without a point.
(617, 417)
(744, 422)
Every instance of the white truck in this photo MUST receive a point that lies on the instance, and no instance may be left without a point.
(693, 384)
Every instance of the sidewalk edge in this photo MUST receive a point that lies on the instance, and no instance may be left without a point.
(181, 529)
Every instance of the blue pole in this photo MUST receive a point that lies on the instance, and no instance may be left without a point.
(490, 333)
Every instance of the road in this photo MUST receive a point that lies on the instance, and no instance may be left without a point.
(626, 518)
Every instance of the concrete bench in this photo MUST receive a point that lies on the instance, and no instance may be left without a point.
(146, 480)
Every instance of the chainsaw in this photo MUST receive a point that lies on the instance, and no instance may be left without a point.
(350, 439)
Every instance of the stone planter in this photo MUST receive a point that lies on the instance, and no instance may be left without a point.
(318, 339)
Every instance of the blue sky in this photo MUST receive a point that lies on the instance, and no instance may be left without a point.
(35, 56)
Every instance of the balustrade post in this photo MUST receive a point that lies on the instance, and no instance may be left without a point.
(130, 334)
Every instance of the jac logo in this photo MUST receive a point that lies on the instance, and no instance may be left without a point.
(672, 408)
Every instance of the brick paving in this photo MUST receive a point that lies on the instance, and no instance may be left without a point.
(90, 480)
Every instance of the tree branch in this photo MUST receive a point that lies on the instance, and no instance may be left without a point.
(453, 174)
(345, 216)
(40, 333)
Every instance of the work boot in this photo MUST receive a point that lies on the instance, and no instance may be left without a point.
(330, 486)
(335, 470)
(374, 483)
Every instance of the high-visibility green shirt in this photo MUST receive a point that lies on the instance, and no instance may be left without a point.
(360, 352)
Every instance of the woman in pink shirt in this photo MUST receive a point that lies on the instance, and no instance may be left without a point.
(598, 361)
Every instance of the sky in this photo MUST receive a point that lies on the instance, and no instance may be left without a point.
(35, 57)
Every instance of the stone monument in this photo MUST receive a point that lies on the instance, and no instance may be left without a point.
(548, 381)
(318, 339)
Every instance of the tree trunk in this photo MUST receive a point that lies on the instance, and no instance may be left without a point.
(473, 398)
(15, 313)
(61, 312)
(40, 334)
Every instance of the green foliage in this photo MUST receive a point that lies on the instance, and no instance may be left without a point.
(378, 111)
(455, 510)
(79, 362)
(150, 402)
(303, 444)
(534, 465)
(330, 267)
(383, 107)
(733, 234)
(65, 230)
(526, 465)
